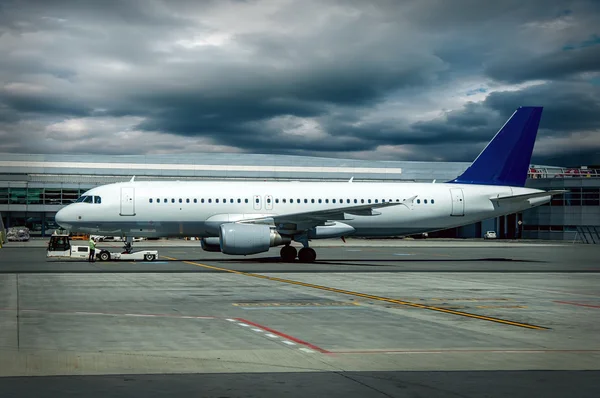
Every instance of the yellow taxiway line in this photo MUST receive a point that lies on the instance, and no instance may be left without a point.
(367, 296)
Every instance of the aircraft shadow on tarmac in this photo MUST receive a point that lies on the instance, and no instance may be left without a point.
(362, 261)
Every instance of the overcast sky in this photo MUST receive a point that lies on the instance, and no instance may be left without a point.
(381, 80)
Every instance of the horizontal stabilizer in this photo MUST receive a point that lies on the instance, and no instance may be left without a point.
(518, 198)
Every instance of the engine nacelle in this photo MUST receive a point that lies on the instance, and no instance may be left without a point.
(335, 230)
(248, 238)
(210, 244)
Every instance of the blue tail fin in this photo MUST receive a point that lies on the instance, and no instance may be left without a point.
(505, 160)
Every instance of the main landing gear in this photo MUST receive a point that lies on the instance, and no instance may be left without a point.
(305, 255)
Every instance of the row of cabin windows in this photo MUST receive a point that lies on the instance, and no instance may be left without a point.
(158, 200)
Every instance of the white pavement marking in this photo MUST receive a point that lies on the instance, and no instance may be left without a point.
(288, 342)
(231, 320)
(307, 350)
(258, 330)
(243, 324)
(272, 335)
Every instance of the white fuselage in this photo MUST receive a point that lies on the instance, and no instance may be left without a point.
(169, 209)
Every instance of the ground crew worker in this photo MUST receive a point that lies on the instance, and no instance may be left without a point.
(92, 257)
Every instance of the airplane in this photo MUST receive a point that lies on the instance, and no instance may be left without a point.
(250, 217)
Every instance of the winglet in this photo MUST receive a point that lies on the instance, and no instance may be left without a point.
(506, 159)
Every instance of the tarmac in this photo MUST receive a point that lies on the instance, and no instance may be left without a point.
(381, 318)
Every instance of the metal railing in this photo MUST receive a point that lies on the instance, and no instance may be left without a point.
(559, 172)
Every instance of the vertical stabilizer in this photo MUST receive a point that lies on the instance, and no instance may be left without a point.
(506, 159)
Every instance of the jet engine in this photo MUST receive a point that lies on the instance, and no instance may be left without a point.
(249, 238)
(210, 244)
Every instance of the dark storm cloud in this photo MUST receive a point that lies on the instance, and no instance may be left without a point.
(419, 80)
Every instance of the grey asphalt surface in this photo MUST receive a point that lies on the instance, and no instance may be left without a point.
(384, 320)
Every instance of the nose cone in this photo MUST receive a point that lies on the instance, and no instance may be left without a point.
(63, 218)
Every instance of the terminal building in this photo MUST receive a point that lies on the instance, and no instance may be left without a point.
(34, 187)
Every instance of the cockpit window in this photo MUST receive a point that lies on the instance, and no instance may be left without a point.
(89, 199)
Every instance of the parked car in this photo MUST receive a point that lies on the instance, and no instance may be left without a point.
(490, 235)
(18, 234)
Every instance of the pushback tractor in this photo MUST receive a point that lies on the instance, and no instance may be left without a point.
(61, 247)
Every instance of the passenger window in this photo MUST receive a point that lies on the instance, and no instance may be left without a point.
(224, 200)
(202, 200)
(268, 200)
(355, 200)
(157, 200)
(326, 200)
(276, 200)
(347, 200)
(180, 200)
(150, 200)
(210, 201)
(216, 200)
(230, 200)
(305, 200)
(195, 200)
(166, 200)
(425, 201)
(312, 201)
(239, 200)
(376, 201)
(283, 200)
(333, 201)
(257, 200)
(362, 201)
(172, 200)
(418, 201)
(320, 201)
(245, 200)
(432, 202)
(291, 200)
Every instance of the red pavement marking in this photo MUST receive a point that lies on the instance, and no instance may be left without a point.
(285, 336)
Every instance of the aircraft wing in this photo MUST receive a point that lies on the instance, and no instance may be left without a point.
(310, 219)
(518, 198)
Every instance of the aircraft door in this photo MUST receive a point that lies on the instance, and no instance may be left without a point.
(269, 202)
(257, 202)
(127, 201)
(458, 202)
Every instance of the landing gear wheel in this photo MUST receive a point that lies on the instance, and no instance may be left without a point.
(288, 253)
(307, 255)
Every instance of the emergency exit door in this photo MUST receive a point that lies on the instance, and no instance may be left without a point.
(127, 202)
(458, 202)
